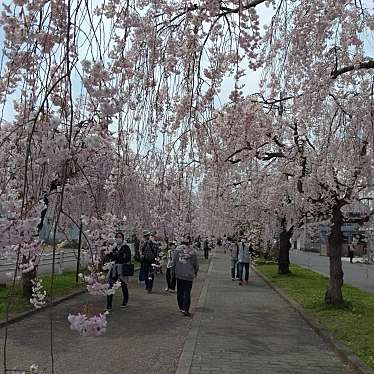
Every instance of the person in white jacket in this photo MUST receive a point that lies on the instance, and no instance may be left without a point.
(243, 261)
(234, 252)
(170, 269)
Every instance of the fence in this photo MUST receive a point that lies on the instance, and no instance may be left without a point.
(63, 259)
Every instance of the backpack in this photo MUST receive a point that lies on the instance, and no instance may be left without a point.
(149, 252)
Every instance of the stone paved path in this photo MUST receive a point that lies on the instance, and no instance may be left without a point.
(250, 329)
(235, 330)
(145, 338)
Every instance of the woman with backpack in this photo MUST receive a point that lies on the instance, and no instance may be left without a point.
(120, 256)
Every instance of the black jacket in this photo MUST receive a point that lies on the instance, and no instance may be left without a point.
(149, 251)
(119, 256)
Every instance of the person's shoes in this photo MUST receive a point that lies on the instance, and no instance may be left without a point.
(167, 289)
(246, 282)
(149, 291)
(182, 311)
(240, 283)
(108, 309)
(171, 291)
(187, 314)
(233, 279)
(123, 305)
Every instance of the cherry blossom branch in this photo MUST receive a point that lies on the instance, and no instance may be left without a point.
(362, 65)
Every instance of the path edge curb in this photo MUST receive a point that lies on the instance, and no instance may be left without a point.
(343, 352)
(29, 313)
(186, 357)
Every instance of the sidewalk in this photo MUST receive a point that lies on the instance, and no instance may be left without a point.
(235, 330)
(250, 329)
(146, 337)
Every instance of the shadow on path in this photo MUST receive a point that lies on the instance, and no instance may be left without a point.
(251, 329)
(146, 337)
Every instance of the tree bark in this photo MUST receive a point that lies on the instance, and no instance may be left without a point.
(335, 240)
(284, 249)
(27, 284)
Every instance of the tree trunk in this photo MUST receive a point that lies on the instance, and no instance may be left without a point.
(334, 290)
(27, 284)
(284, 249)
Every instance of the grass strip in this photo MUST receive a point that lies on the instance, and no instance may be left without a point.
(63, 285)
(352, 323)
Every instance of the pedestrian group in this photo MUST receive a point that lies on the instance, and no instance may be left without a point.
(181, 262)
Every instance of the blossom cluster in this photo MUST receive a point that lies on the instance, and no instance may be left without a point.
(88, 326)
(97, 284)
(38, 293)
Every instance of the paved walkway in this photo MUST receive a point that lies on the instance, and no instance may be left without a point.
(235, 330)
(145, 338)
(250, 329)
(357, 275)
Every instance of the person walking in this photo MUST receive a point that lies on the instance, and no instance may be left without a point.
(350, 253)
(120, 255)
(141, 270)
(243, 261)
(170, 269)
(198, 243)
(206, 248)
(148, 256)
(225, 243)
(158, 252)
(136, 242)
(186, 268)
(234, 253)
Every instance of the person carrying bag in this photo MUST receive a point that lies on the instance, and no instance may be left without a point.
(148, 256)
(121, 269)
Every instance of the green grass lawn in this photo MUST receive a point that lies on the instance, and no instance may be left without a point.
(352, 323)
(63, 284)
(136, 263)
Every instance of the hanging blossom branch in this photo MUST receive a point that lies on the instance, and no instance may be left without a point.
(38, 294)
(359, 66)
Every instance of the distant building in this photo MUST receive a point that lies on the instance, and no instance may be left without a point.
(313, 237)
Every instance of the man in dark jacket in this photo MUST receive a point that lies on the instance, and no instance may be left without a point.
(120, 255)
(136, 242)
(206, 248)
(148, 255)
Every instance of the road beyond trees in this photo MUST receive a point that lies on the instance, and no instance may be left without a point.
(357, 275)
